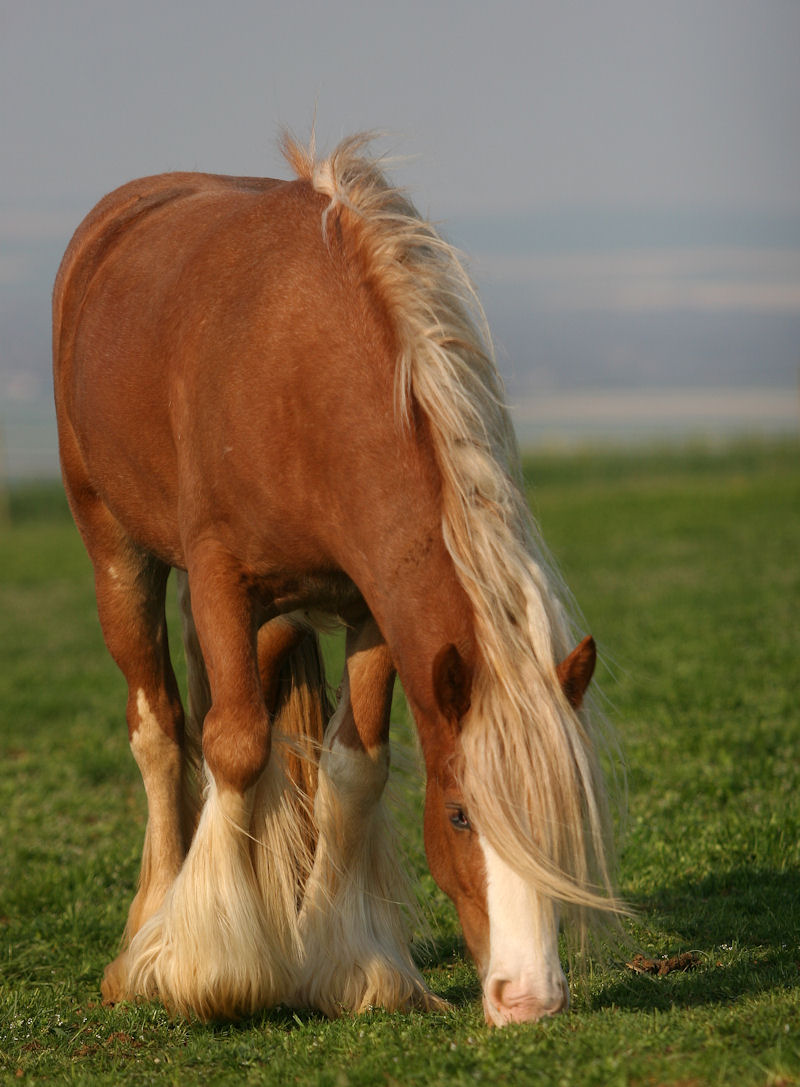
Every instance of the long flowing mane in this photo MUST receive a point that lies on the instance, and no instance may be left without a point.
(530, 770)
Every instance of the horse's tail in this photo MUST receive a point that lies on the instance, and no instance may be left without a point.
(282, 830)
(283, 815)
(198, 705)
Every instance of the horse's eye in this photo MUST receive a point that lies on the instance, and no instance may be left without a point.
(459, 820)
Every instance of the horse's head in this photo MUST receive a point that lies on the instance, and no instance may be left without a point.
(511, 930)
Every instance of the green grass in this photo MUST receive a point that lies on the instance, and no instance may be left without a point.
(686, 565)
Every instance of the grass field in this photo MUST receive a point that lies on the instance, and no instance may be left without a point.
(687, 566)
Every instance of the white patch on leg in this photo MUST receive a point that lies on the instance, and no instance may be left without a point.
(208, 950)
(159, 760)
(355, 920)
(524, 980)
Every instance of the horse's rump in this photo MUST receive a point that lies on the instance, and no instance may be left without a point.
(231, 364)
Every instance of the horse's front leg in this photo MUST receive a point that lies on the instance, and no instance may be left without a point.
(210, 949)
(357, 913)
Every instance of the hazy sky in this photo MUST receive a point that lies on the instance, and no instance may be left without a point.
(511, 105)
(625, 173)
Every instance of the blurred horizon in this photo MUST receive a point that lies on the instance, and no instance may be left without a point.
(556, 422)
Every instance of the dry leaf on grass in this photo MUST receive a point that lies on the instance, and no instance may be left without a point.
(680, 963)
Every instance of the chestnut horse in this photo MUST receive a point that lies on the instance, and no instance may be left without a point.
(285, 390)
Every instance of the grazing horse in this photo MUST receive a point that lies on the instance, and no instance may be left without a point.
(285, 391)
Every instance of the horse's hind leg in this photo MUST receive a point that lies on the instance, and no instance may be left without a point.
(293, 683)
(130, 587)
(356, 916)
(209, 949)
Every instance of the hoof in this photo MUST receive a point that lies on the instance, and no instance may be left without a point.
(114, 986)
(426, 1001)
(343, 991)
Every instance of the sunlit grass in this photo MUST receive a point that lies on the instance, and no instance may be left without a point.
(685, 564)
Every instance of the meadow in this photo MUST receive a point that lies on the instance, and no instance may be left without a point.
(685, 562)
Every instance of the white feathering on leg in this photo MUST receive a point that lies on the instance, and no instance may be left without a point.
(281, 853)
(208, 949)
(355, 920)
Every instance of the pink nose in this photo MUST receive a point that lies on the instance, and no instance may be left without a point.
(507, 1001)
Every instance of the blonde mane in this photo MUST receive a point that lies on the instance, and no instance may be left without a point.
(530, 773)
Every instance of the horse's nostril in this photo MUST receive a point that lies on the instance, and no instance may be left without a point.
(508, 1001)
(495, 987)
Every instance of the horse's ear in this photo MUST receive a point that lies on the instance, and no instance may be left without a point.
(576, 670)
(452, 683)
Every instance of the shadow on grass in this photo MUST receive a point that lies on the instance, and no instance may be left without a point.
(711, 983)
(460, 993)
(280, 1017)
(455, 979)
(745, 925)
(438, 950)
(751, 906)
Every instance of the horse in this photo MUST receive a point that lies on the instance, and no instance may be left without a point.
(285, 390)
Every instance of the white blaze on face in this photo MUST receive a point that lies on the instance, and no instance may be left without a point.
(524, 980)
